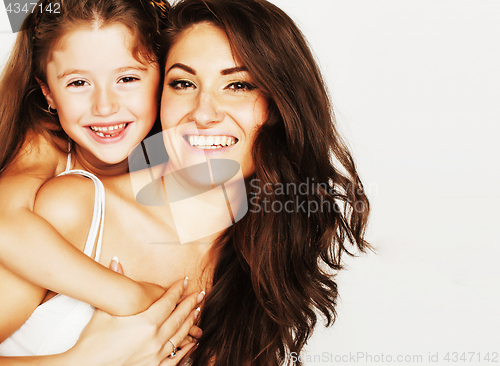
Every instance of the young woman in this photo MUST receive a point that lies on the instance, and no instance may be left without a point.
(241, 73)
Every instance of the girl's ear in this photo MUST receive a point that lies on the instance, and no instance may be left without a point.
(47, 94)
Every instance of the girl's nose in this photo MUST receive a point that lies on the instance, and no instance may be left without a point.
(105, 103)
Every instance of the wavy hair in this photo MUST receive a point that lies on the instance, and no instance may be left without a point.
(275, 268)
(23, 106)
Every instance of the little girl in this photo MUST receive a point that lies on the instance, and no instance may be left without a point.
(88, 73)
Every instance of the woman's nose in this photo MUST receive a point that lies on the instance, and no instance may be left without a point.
(206, 111)
(105, 103)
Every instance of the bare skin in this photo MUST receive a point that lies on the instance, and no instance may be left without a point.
(63, 264)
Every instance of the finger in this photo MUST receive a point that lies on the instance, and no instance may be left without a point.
(178, 356)
(181, 330)
(116, 266)
(178, 317)
(183, 296)
(187, 340)
(195, 332)
(163, 307)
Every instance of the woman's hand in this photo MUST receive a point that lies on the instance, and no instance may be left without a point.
(144, 339)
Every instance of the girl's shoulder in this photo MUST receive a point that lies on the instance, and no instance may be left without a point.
(38, 160)
(41, 156)
(67, 203)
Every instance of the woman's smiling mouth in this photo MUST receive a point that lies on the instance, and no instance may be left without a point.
(207, 142)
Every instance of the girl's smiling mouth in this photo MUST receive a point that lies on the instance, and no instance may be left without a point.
(109, 131)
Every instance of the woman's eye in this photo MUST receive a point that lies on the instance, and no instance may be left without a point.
(240, 85)
(181, 84)
(78, 83)
(128, 79)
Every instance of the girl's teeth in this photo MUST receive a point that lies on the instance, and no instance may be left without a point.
(103, 135)
(211, 142)
(99, 130)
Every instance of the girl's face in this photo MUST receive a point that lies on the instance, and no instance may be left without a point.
(210, 99)
(106, 100)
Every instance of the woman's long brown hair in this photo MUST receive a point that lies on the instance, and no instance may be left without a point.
(23, 107)
(276, 267)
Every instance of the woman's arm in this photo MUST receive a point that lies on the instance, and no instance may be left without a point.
(138, 340)
(31, 248)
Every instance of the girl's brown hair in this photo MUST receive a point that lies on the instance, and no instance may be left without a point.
(23, 108)
(275, 268)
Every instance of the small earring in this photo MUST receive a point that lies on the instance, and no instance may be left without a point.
(51, 112)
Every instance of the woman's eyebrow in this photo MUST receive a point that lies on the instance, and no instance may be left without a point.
(182, 67)
(233, 70)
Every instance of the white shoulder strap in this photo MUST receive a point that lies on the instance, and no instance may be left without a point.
(96, 228)
(68, 160)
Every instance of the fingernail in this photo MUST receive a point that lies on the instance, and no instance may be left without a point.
(186, 281)
(196, 314)
(200, 296)
(200, 333)
(114, 264)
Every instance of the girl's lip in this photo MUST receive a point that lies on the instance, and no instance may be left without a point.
(119, 133)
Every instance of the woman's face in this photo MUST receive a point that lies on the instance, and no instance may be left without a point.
(209, 98)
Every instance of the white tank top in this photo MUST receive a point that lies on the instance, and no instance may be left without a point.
(55, 326)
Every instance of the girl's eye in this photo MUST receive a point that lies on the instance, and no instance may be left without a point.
(181, 84)
(78, 83)
(128, 79)
(240, 85)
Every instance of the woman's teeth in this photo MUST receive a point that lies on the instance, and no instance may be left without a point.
(107, 131)
(211, 142)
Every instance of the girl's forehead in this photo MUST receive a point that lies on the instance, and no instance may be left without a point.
(95, 50)
(80, 31)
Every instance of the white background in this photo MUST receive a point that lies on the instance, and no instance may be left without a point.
(416, 90)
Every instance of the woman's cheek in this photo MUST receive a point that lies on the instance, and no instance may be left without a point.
(172, 111)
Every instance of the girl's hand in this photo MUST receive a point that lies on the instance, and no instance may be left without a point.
(150, 291)
(144, 339)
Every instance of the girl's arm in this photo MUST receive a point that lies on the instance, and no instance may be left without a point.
(32, 249)
(19, 299)
(138, 340)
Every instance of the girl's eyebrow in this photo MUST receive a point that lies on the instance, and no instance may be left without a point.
(126, 68)
(84, 72)
(69, 72)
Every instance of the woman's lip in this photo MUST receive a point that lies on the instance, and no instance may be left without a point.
(208, 132)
